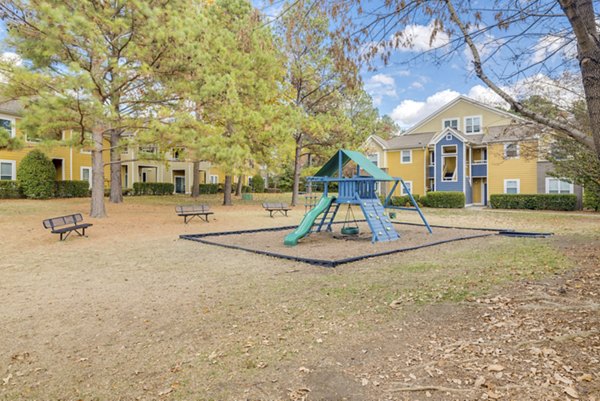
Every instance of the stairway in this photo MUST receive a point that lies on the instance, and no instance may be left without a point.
(328, 217)
(378, 220)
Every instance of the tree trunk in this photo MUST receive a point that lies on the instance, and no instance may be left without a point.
(581, 16)
(240, 184)
(97, 208)
(196, 179)
(116, 186)
(297, 169)
(227, 191)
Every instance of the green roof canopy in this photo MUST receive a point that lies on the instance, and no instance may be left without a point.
(330, 169)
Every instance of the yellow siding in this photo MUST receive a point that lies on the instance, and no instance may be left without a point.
(523, 168)
(461, 110)
(414, 171)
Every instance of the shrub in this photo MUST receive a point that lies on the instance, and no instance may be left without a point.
(404, 200)
(209, 189)
(534, 201)
(10, 190)
(153, 188)
(36, 175)
(444, 199)
(72, 189)
(258, 183)
(591, 199)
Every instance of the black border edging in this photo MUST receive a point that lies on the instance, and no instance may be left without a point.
(336, 262)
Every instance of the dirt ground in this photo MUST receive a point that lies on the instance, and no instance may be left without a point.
(333, 245)
(134, 313)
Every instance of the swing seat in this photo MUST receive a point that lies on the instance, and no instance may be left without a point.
(350, 231)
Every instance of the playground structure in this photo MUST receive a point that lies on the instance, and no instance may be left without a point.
(358, 190)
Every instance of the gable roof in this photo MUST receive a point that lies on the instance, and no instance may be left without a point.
(458, 99)
(11, 107)
(331, 168)
(405, 141)
(473, 139)
(378, 140)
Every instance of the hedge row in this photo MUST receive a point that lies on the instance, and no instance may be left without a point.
(206, 189)
(153, 188)
(62, 189)
(71, 189)
(444, 199)
(10, 190)
(433, 199)
(534, 201)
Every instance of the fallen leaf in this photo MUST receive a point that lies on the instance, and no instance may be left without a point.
(304, 369)
(495, 368)
(6, 379)
(364, 381)
(480, 381)
(493, 395)
(586, 377)
(571, 392)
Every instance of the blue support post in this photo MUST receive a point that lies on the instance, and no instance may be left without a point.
(417, 208)
(389, 197)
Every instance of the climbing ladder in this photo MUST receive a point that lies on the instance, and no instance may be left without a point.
(328, 217)
(379, 221)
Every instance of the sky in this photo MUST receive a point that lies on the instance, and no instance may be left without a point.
(410, 91)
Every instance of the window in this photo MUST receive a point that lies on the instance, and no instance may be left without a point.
(148, 148)
(406, 157)
(450, 123)
(449, 150)
(408, 185)
(431, 157)
(7, 170)
(558, 186)
(511, 150)
(449, 137)
(8, 124)
(449, 169)
(512, 186)
(374, 158)
(473, 125)
(86, 175)
(214, 179)
(177, 153)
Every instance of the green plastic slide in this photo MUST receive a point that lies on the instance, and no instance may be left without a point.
(307, 222)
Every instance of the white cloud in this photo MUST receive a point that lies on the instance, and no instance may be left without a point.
(383, 79)
(9, 58)
(380, 86)
(485, 95)
(416, 85)
(417, 38)
(552, 45)
(410, 111)
(562, 92)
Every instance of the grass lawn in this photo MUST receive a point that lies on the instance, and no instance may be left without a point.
(133, 312)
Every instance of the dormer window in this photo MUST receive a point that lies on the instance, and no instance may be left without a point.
(511, 150)
(450, 123)
(473, 125)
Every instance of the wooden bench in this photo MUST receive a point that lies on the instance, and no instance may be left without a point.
(282, 208)
(66, 225)
(190, 211)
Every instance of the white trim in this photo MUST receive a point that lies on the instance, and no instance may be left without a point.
(480, 124)
(402, 156)
(455, 175)
(511, 157)
(408, 184)
(13, 170)
(547, 183)
(175, 177)
(450, 153)
(210, 179)
(464, 99)
(517, 180)
(442, 135)
(464, 158)
(380, 141)
(13, 124)
(81, 174)
(451, 119)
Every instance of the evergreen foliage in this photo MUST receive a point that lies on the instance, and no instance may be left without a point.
(534, 201)
(36, 175)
